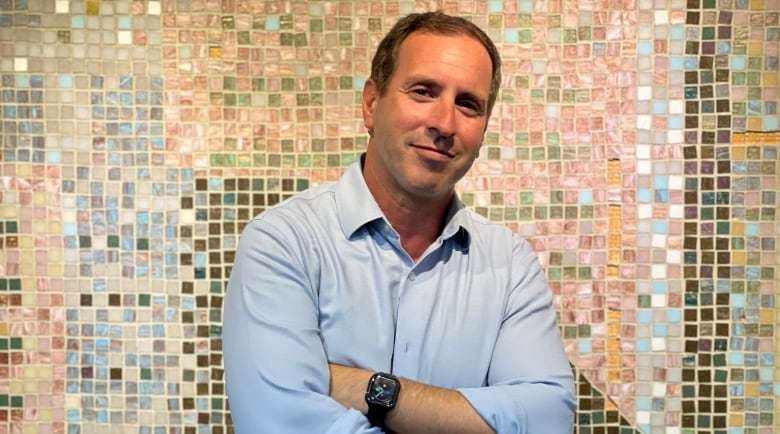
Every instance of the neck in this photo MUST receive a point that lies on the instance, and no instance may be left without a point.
(418, 220)
(417, 227)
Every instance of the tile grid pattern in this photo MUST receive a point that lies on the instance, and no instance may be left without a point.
(139, 136)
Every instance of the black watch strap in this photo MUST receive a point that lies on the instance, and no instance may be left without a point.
(376, 415)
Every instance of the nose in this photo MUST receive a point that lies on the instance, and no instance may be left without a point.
(442, 119)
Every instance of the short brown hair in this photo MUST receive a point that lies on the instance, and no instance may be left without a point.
(384, 62)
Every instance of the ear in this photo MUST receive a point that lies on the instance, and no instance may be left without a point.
(368, 103)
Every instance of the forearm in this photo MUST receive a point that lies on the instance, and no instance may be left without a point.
(421, 409)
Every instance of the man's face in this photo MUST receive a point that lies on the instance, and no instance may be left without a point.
(429, 125)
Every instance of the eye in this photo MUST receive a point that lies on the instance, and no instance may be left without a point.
(470, 107)
(421, 91)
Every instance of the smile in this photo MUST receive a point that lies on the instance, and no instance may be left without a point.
(433, 149)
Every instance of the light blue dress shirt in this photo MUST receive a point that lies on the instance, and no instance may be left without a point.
(322, 278)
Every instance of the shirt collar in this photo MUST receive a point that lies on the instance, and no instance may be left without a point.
(356, 207)
(354, 203)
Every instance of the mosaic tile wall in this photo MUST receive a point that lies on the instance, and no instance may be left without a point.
(635, 143)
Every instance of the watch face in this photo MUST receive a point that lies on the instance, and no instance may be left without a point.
(382, 391)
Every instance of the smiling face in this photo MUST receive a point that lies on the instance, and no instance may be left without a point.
(428, 126)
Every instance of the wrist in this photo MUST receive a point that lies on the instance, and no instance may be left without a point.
(348, 386)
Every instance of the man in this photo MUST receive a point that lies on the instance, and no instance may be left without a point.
(380, 303)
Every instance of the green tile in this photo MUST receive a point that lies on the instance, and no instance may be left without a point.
(112, 241)
(274, 160)
(303, 160)
(345, 39)
(515, 214)
(522, 153)
(286, 22)
(142, 244)
(586, 211)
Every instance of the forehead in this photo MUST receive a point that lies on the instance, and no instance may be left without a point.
(446, 55)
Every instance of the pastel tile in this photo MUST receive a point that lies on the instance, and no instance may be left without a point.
(635, 147)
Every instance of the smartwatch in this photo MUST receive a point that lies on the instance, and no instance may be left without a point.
(381, 396)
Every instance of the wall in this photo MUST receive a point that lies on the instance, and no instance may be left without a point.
(635, 143)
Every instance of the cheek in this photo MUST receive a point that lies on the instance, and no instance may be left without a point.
(473, 138)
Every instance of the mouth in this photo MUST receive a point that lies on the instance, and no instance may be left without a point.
(434, 149)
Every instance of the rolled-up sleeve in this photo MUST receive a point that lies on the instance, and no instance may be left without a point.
(276, 370)
(530, 383)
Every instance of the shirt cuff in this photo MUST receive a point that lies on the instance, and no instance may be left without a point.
(352, 421)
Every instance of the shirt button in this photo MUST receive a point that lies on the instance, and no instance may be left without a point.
(412, 276)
